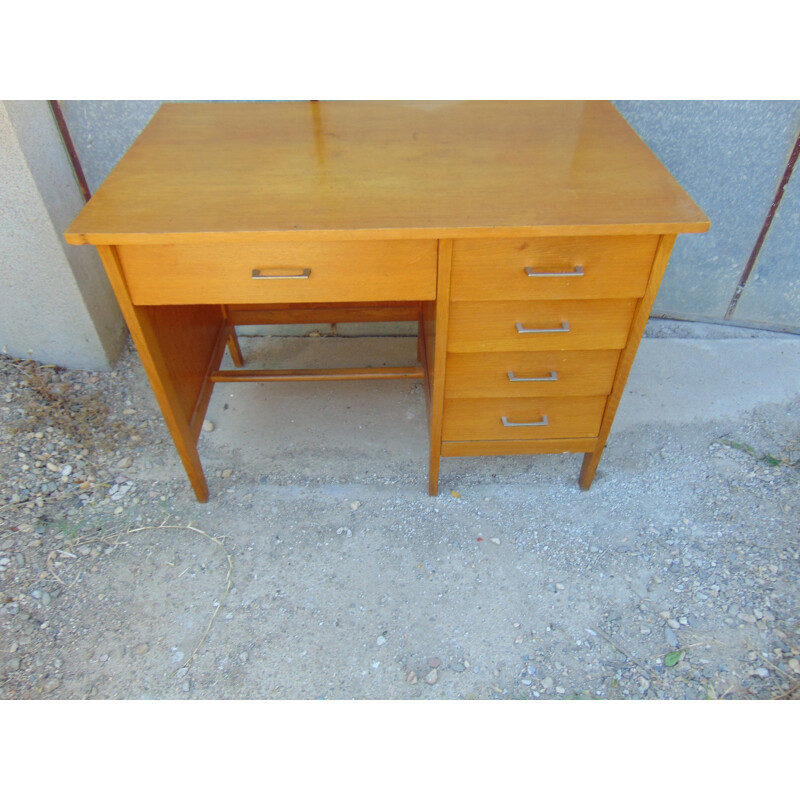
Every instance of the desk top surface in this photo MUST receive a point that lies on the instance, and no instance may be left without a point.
(368, 170)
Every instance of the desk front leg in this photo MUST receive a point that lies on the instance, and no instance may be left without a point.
(180, 347)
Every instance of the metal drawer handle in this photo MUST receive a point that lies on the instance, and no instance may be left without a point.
(256, 275)
(577, 272)
(563, 329)
(553, 376)
(507, 424)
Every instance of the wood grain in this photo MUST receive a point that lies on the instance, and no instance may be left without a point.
(578, 372)
(567, 417)
(250, 172)
(491, 326)
(492, 269)
(223, 273)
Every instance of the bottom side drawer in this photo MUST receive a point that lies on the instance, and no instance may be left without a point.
(522, 418)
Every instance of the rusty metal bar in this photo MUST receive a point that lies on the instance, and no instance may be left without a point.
(71, 151)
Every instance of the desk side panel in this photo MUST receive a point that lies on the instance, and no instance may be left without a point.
(180, 346)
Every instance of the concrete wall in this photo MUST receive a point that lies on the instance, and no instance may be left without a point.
(730, 156)
(56, 304)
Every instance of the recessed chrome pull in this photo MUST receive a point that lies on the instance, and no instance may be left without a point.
(577, 272)
(256, 275)
(542, 422)
(553, 376)
(563, 329)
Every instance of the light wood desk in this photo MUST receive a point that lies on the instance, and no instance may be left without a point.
(527, 238)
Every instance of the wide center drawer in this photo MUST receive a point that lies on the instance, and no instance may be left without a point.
(581, 267)
(280, 272)
(548, 325)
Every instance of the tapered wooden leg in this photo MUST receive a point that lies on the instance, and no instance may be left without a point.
(233, 347)
(433, 474)
(233, 339)
(589, 467)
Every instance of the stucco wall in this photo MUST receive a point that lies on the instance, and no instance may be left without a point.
(56, 305)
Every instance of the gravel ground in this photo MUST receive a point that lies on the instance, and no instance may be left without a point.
(325, 570)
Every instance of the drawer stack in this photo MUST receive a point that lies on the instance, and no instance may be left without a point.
(535, 333)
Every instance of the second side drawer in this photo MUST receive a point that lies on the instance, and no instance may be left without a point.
(507, 325)
(280, 272)
(537, 374)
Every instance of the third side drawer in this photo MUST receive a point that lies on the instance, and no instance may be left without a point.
(536, 374)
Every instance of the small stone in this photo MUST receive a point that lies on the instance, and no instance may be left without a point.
(457, 667)
(186, 686)
(141, 649)
(560, 690)
(355, 505)
(494, 541)
(243, 657)
(66, 471)
(794, 665)
(434, 662)
(52, 467)
(547, 683)
(560, 587)
(432, 677)
(671, 637)
(644, 630)
(762, 672)
(381, 640)
(12, 665)
(674, 624)
(208, 426)
(51, 686)
(124, 463)
(226, 473)
(411, 677)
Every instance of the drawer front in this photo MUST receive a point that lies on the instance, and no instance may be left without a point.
(546, 374)
(280, 272)
(548, 325)
(522, 418)
(551, 268)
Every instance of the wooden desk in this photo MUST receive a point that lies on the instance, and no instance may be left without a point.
(527, 238)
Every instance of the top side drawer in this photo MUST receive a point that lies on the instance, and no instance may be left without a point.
(581, 267)
(280, 272)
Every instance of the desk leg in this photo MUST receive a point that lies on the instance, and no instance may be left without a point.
(233, 340)
(435, 318)
(180, 346)
(640, 317)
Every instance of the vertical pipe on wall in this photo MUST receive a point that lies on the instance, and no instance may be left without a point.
(70, 147)
(787, 174)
